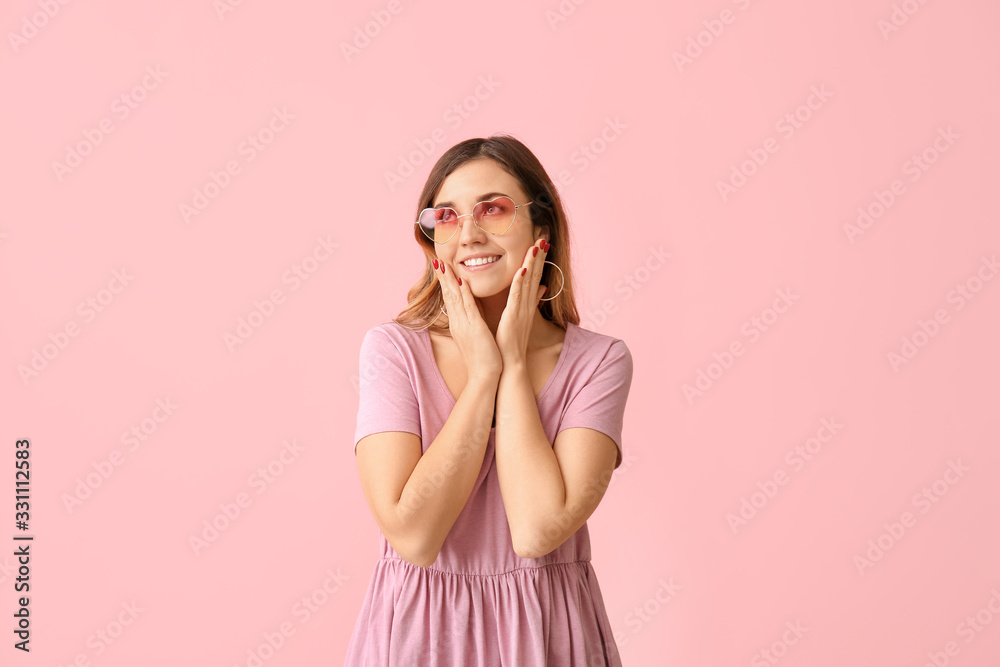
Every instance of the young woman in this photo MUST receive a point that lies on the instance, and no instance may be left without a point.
(488, 429)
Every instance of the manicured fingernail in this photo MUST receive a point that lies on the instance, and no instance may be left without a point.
(524, 270)
(435, 264)
(442, 268)
(534, 251)
(460, 281)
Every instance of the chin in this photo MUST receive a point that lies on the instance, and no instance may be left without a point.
(485, 290)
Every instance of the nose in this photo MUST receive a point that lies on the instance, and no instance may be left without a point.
(469, 231)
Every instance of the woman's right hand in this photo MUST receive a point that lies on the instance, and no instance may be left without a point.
(468, 328)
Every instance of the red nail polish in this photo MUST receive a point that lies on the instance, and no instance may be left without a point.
(548, 246)
(435, 264)
(534, 251)
(443, 270)
(460, 281)
(524, 270)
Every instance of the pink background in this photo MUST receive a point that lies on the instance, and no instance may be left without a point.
(662, 134)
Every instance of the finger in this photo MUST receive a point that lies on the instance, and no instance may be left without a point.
(466, 298)
(462, 298)
(517, 291)
(473, 306)
(448, 289)
(539, 260)
(546, 247)
(530, 274)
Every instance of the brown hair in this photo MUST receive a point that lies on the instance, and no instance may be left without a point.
(424, 298)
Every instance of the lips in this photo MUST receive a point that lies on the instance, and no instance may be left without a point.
(480, 264)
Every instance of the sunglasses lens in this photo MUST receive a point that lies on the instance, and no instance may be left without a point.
(495, 216)
(439, 224)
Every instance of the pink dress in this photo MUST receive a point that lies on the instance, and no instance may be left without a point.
(480, 603)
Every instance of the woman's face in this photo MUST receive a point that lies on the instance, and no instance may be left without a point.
(464, 188)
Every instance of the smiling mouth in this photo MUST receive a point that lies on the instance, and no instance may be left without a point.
(483, 261)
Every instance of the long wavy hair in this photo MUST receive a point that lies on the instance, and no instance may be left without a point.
(424, 300)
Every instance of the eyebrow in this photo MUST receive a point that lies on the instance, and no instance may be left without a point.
(485, 197)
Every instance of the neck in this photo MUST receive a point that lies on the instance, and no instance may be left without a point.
(493, 307)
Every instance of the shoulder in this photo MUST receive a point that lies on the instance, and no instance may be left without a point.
(598, 348)
(388, 336)
(593, 357)
(392, 331)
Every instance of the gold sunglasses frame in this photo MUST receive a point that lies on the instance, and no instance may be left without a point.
(464, 215)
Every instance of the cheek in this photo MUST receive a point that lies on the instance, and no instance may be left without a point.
(512, 271)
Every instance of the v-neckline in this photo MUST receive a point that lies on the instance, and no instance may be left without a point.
(429, 346)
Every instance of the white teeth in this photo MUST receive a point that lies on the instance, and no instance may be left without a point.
(480, 260)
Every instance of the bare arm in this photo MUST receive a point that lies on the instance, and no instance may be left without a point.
(549, 490)
(416, 498)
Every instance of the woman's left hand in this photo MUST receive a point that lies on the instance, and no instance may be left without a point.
(514, 329)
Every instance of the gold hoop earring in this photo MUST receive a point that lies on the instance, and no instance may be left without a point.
(562, 281)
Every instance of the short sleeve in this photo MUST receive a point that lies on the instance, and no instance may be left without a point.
(387, 401)
(600, 403)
